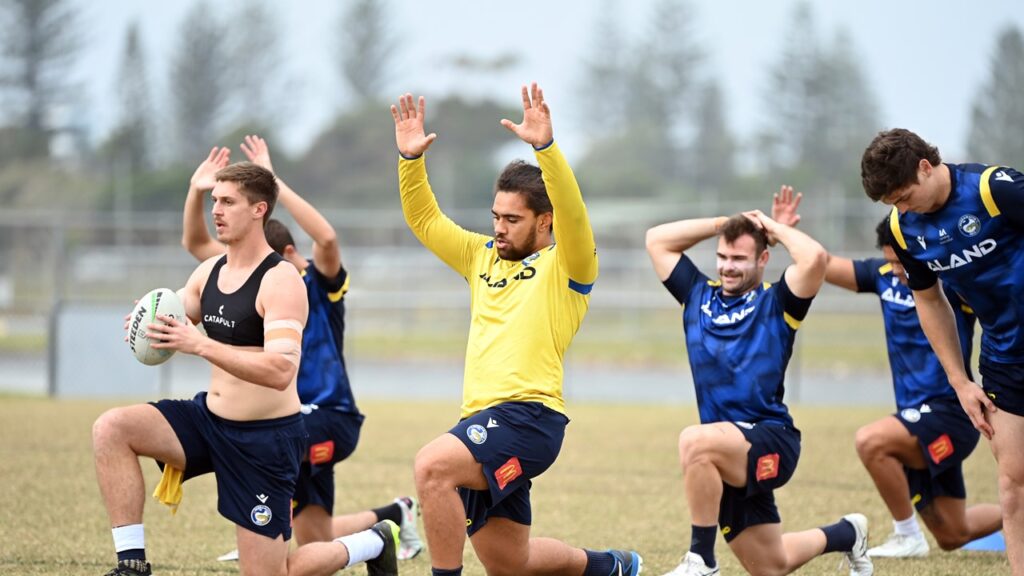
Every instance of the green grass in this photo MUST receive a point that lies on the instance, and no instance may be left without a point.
(616, 484)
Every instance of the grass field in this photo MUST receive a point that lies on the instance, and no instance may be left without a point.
(616, 484)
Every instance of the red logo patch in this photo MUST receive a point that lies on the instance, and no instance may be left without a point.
(941, 448)
(508, 472)
(767, 467)
(321, 453)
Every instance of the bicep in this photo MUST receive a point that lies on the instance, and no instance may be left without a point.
(844, 273)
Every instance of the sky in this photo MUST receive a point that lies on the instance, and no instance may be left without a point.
(926, 60)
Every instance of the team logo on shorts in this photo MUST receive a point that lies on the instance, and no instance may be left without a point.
(477, 434)
(969, 225)
(261, 515)
(910, 415)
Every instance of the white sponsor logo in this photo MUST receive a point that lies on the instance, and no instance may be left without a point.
(1003, 176)
(262, 498)
(964, 258)
(920, 240)
(729, 318)
(491, 423)
(895, 297)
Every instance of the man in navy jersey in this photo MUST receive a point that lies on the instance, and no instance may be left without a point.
(329, 408)
(739, 335)
(964, 223)
(919, 450)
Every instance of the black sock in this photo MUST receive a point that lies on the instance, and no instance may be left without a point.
(133, 554)
(391, 512)
(702, 543)
(599, 563)
(839, 537)
(443, 572)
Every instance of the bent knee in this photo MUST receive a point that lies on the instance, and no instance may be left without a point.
(870, 443)
(107, 427)
(951, 541)
(431, 470)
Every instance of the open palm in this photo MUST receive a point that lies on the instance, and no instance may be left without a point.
(535, 129)
(410, 137)
(205, 176)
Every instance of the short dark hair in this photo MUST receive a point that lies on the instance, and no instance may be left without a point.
(255, 182)
(526, 179)
(883, 234)
(278, 235)
(739, 225)
(890, 162)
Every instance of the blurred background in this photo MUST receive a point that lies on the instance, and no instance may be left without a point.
(666, 109)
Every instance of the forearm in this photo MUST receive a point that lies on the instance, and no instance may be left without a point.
(806, 252)
(572, 228)
(306, 216)
(258, 367)
(195, 237)
(678, 237)
(939, 326)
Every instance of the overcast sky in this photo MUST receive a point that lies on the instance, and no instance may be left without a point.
(926, 60)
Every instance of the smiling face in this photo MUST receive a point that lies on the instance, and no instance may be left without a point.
(740, 267)
(518, 231)
(233, 215)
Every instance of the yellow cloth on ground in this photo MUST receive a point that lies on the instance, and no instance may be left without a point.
(168, 491)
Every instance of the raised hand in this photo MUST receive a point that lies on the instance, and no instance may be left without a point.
(205, 176)
(410, 137)
(762, 221)
(535, 129)
(256, 150)
(784, 206)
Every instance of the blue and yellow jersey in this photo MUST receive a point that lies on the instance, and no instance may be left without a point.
(738, 346)
(917, 375)
(975, 243)
(323, 379)
(523, 314)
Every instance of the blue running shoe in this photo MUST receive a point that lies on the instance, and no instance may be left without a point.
(627, 563)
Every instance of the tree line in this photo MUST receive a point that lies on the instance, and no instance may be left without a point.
(664, 137)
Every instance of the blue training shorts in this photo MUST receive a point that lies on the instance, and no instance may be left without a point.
(514, 442)
(256, 463)
(1004, 384)
(771, 462)
(947, 438)
(333, 436)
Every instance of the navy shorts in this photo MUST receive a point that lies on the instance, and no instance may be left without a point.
(947, 438)
(333, 436)
(1004, 384)
(771, 462)
(256, 463)
(514, 442)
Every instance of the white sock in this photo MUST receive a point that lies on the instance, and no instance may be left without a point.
(363, 546)
(908, 527)
(130, 537)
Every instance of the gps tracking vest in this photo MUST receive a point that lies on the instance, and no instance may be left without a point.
(232, 318)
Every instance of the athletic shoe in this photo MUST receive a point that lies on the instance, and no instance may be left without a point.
(627, 563)
(387, 563)
(901, 546)
(409, 537)
(229, 556)
(693, 565)
(860, 564)
(131, 568)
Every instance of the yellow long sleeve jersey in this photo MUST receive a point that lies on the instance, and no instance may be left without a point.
(523, 314)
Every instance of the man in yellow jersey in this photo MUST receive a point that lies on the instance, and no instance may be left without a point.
(528, 296)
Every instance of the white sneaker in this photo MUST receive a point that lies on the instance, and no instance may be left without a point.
(408, 536)
(860, 564)
(692, 565)
(901, 546)
(229, 557)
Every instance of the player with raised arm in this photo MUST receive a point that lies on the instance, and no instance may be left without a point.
(964, 224)
(329, 408)
(739, 335)
(528, 296)
(914, 456)
(246, 428)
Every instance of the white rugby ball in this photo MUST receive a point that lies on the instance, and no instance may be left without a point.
(163, 301)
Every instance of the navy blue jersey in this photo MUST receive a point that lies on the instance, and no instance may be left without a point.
(975, 243)
(917, 375)
(322, 378)
(739, 346)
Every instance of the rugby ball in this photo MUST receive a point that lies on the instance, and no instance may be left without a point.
(163, 301)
